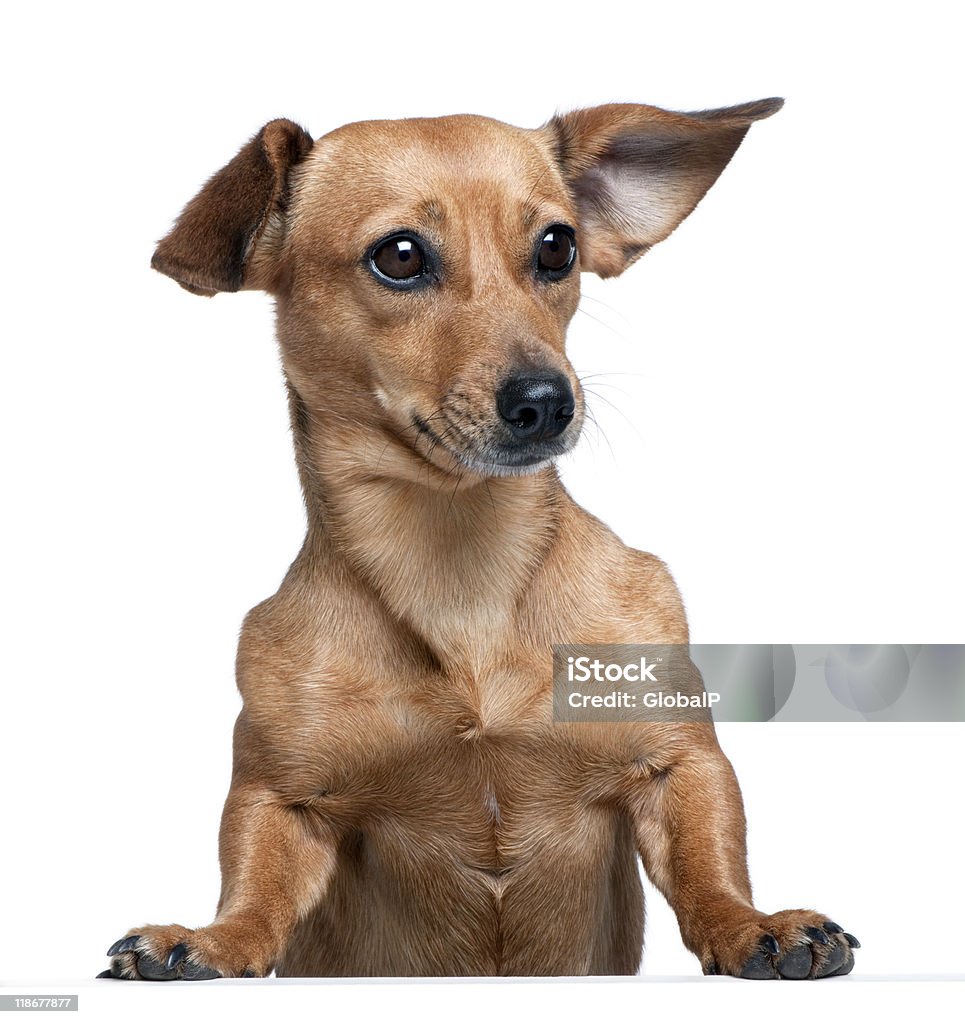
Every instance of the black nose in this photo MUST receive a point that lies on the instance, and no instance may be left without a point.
(536, 407)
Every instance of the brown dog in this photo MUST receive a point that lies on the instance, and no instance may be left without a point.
(403, 802)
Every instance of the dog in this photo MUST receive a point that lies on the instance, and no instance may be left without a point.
(403, 802)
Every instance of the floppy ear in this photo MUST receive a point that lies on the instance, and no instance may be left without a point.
(209, 247)
(635, 172)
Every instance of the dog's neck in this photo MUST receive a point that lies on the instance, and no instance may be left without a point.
(450, 556)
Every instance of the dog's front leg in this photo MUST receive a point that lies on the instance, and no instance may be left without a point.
(275, 865)
(690, 829)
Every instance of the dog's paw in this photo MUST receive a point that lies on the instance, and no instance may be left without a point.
(791, 944)
(172, 953)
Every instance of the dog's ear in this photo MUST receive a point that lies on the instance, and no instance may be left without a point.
(209, 248)
(635, 171)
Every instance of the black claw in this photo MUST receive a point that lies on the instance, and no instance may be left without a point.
(114, 972)
(126, 945)
(851, 941)
(769, 943)
(709, 968)
(818, 936)
(121, 945)
(249, 972)
(830, 926)
(796, 963)
(176, 955)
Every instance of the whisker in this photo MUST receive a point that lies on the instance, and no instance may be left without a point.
(452, 495)
(615, 408)
(613, 330)
(536, 184)
(599, 429)
(492, 501)
(606, 305)
(609, 373)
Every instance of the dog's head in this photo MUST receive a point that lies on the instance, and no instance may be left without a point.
(425, 270)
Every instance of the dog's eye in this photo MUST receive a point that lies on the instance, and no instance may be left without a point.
(556, 252)
(399, 258)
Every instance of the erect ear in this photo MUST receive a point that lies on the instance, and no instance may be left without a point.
(209, 248)
(635, 172)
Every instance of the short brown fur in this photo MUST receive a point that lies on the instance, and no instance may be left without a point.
(402, 801)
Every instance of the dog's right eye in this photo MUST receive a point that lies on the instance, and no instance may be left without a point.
(399, 260)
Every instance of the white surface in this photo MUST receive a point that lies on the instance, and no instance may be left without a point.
(788, 437)
(931, 998)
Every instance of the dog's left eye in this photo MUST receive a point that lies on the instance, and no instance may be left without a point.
(556, 252)
(400, 259)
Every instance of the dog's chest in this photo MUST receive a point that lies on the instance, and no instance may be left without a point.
(475, 766)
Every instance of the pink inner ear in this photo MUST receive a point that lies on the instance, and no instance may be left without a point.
(636, 172)
(643, 187)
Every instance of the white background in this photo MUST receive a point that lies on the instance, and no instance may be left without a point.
(785, 431)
